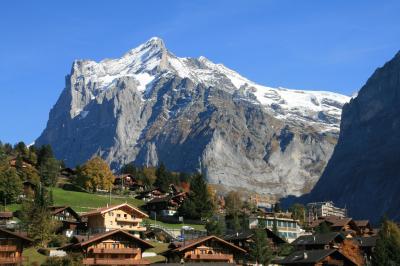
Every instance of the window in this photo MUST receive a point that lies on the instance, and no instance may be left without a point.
(111, 213)
(125, 216)
(111, 222)
(118, 215)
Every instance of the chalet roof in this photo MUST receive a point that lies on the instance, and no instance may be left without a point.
(157, 200)
(243, 235)
(311, 256)
(361, 223)
(111, 208)
(97, 237)
(6, 215)
(191, 243)
(367, 241)
(318, 239)
(247, 234)
(17, 235)
(337, 221)
(58, 209)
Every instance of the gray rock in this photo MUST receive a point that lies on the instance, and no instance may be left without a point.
(150, 106)
(364, 171)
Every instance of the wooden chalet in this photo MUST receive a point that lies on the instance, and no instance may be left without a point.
(148, 195)
(122, 216)
(365, 227)
(319, 241)
(367, 245)
(347, 226)
(116, 247)
(11, 247)
(204, 250)
(71, 221)
(321, 257)
(245, 238)
(166, 206)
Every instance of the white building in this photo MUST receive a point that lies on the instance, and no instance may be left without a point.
(288, 228)
(323, 209)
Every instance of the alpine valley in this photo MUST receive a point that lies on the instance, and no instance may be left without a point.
(150, 106)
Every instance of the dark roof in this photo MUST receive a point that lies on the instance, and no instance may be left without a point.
(17, 235)
(367, 241)
(157, 200)
(247, 234)
(243, 235)
(318, 239)
(361, 223)
(311, 256)
(57, 209)
(190, 243)
(6, 214)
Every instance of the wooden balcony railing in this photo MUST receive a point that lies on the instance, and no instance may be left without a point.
(95, 261)
(6, 248)
(128, 220)
(10, 260)
(116, 250)
(211, 257)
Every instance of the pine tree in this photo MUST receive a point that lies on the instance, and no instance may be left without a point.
(216, 226)
(198, 204)
(387, 249)
(260, 250)
(323, 228)
(36, 217)
(49, 170)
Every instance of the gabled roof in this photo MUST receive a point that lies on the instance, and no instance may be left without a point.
(318, 239)
(362, 223)
(367, 241)
(111, 208)
(58, 209)
(311, 256)
(13, 234)
(191, 243)
(247, 234)
(98, 237)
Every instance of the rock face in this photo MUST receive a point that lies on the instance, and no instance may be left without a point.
(364, 171)
(150, 106)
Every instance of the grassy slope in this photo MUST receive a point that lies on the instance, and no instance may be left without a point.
(83, 202)
(31, 255)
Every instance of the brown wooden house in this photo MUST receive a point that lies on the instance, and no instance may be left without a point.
(116, 247)
(347, 226)
(71, 221)
(321, 257)
(204, 250)
(365, 227)
(122, 216)
(11, 247)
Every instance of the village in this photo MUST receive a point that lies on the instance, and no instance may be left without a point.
(175, 219)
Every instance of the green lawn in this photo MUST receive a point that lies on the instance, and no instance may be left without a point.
(31, 255)
(83, 202)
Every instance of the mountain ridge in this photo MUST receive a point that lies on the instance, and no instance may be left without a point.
(150, 106)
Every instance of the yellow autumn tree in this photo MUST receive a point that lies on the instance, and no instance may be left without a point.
(95, 174)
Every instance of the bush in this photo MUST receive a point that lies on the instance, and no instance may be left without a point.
(58, 241)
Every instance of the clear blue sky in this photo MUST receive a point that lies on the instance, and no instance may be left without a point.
(304, 44)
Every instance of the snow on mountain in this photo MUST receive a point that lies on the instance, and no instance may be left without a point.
(151, 60)
(150, 106)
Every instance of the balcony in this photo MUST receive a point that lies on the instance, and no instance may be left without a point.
(10, 260)
(211, 257)
(128, 220)
(96, 261)
(6, 248)
(116, 250)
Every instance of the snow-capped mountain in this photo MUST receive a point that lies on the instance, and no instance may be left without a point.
(192, 114)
